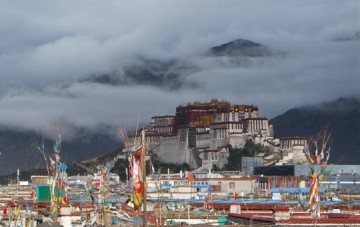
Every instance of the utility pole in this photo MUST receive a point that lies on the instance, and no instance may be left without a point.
(17, 180)
(143, 159)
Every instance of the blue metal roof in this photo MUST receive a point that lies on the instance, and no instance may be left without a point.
(294, 190)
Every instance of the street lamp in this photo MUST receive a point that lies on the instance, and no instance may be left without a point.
(338, 178)
(354, 180)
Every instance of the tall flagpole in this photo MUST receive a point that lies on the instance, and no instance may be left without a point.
(143, 159)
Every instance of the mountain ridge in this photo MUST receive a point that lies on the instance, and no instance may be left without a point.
(171, 74)
(241, 47)
(340, 116)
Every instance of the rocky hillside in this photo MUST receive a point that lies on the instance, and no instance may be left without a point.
(342, 117)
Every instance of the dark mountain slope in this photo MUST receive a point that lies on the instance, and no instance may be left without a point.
(342, 116)
(166, 74)
(241, 47)
(19, 149)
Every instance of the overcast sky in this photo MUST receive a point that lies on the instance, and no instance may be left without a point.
(49, 48)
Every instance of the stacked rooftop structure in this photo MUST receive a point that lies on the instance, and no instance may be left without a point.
(200, 132)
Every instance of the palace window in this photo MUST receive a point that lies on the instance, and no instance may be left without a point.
(231, 185)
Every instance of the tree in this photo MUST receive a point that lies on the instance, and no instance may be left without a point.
(317, 152)
(249, 150)
(318, 147)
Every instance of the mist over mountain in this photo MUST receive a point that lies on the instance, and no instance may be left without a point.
(341, 116)
(134, 61)
(18, 146)
(166, 74)
(172, 74)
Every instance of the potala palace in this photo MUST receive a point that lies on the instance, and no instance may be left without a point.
(200, 133)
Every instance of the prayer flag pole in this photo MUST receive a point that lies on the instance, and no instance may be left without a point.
(143, 160)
